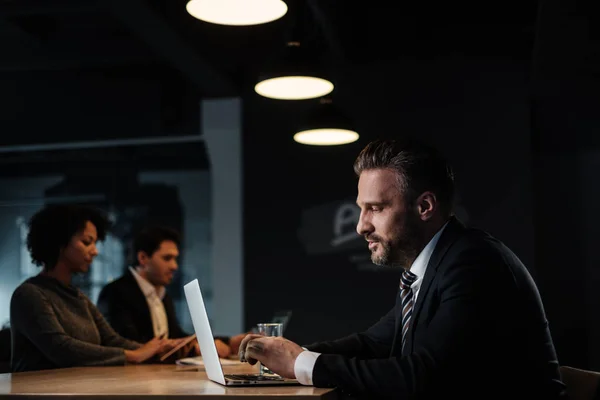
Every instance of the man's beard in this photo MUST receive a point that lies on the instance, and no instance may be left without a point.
(402, 250)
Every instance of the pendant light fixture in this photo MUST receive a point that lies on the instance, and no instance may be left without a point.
(237, 12)
(294, 73)
(326, 126)
(293, 76)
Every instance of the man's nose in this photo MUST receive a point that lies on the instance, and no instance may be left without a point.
(364, 226)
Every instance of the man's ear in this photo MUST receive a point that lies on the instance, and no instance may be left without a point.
(142, 258)
(426, 205)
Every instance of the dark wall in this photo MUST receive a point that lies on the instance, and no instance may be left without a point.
(523, 137)
(475, 111)
(57, 106)
(566, 122)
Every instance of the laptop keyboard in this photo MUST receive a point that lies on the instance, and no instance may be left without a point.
(253, 377)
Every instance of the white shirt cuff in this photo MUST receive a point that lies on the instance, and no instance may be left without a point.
(304, 365)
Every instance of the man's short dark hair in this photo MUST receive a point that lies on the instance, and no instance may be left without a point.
(419, 167)
(149, 239)
(52, 228)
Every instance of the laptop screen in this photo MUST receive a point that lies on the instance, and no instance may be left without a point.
(203, 331)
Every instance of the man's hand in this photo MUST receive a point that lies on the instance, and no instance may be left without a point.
(235, 341)
(172, 343)
(154, 347)
(191, 349)
(222, 348)
(195, 351)
(276, 353)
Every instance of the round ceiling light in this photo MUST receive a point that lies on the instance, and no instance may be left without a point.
(294, 87)
(325, 125)
(294, 74)
(326, 137)
(237, 12)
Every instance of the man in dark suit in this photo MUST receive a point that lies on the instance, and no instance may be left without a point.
(468, 320)
(137, 304)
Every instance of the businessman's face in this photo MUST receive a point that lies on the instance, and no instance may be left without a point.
(387, 222)
(161, 266)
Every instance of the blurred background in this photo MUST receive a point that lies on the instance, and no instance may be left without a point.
(151, 114)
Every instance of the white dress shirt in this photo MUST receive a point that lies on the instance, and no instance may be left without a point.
(154, 298)
(305, 362)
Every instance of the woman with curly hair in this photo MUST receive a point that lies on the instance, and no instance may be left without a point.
(53, 324)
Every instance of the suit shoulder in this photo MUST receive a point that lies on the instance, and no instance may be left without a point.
(478, 247)
(114, 286)
(478, 240)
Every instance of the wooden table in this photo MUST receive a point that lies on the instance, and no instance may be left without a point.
(142, 381)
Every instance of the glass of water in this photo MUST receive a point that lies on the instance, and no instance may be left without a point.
(269, 329)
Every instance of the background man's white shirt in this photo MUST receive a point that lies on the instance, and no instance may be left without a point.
(154, 297)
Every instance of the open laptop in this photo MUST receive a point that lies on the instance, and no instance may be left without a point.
(212, 364)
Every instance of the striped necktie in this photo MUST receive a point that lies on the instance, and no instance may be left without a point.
(406, 297)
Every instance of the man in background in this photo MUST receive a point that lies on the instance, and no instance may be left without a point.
(137, 304)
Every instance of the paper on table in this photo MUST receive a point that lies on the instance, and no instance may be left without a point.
(198, 361)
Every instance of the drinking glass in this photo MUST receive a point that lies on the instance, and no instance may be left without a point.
(269, 329)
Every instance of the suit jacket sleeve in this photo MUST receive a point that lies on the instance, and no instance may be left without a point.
(469, 295)
(376, 342)
(120, 318)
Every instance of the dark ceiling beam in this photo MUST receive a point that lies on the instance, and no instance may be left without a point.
(46, 7)
(84, 55)
(156, 32)
(57, 63)
(16, 34)
(326, 25)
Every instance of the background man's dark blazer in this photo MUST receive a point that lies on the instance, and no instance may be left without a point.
(478, 330)
(124, 306)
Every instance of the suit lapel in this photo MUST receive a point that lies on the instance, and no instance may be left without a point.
(445, 241)
(398, 309)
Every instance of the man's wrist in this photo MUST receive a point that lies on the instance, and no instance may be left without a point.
(304, 365)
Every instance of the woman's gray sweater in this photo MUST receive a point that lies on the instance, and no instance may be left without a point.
(57, 326)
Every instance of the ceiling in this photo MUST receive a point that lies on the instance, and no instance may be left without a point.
(146, 36)
(137, 68)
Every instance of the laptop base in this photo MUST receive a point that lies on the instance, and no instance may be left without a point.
(255, 379)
